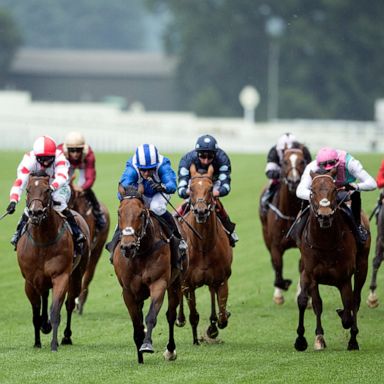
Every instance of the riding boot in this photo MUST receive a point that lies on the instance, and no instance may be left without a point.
(97, 212)
(297, 227)
(19, 230)
(227, 223)
(361, 232)
(268, 196)
(178, 244)
(78, 236)
(110, 247)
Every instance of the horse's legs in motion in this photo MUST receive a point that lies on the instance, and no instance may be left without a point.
(173, 302)
(60, 288)
(317, 305)
(277, 263)
(302, 300)
(35, 301)
(180, 321)
(222, 296)
(46, 326)
(157, 292)
(193, 314)
(373, 301)
(136, 312)
(212, 330)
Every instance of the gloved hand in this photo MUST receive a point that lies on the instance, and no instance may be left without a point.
(273, 174)
(351, 187)
(158, 187)
(11, 207)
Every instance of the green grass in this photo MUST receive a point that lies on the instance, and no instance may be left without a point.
(257, 345)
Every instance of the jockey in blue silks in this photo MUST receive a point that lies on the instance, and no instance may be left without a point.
(148, 167)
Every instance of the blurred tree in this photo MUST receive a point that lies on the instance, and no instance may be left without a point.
(10, 40)
(331, 55)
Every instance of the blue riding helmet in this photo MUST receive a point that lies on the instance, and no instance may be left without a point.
(146, 156)
(206, 143)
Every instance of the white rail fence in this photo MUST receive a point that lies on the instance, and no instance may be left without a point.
(107, 128)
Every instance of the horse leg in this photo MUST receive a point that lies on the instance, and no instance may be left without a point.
(280, 283)
(212, 331)
(46, 326)
(302, 301)
(194, 316)
(347, 299)
(222, 297)
(317, 304)
(136, 313)
(180, 321)
(157, 292)
(372, 300)
(173, 302)
(35, 301)
(60, 287)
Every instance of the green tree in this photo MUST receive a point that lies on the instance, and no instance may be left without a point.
(331, 54)
(10, 40)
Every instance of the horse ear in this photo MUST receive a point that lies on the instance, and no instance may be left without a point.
(210, 170)
(140, 188)
(192, 170)
(121, 189)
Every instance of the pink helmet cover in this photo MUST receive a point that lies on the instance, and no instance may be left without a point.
(325, 155)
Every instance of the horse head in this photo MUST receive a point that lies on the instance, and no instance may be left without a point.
(38, 197)
(292, 168)
(133, 219)
(201, 193)
(323, 199)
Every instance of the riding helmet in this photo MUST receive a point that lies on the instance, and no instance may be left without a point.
(44, 146)
(206, 143)
(146, 156)
(74, 140)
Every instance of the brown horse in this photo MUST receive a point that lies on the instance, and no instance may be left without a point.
(80, 204)
(210, 257)
(45, 254)
(330, 256)
(143, 267)
(280, 216)
(373, 300)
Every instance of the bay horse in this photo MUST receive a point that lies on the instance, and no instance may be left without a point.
(280, 216)
(45, 254)
(330, 256)
(143, 266)
(373, 300)
(80, 204)
(210, 257)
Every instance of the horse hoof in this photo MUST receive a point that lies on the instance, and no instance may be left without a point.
(372, 301)
(279, 300)
(170, 356)
(212, 332)
(180, 323)
(146, 348)
(46, 328)
(319, 343)
(66, 341)
(353, 346)
(301, 344)
(37, 345)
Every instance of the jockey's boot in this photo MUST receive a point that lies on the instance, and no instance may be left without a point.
(268, 196)
(101, 222)
(178, 244)
(19, 230)
(110, 247)
(78, 236)
(230, 228)
(360, 231)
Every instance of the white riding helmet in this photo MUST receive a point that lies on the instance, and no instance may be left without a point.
(285, 141)
(74, 140)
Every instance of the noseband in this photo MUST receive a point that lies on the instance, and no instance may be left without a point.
(38, 216)
(202, 208)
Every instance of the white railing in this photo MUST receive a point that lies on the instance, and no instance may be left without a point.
(108, 129)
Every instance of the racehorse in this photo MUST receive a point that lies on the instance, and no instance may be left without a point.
(373, 300)
(80, 204)
(210, 256)
(330, 256)
(45, 254)
(280, 216)
(142, 262)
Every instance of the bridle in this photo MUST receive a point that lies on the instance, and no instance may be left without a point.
(37, 216)
(202, 208)
(292, 182)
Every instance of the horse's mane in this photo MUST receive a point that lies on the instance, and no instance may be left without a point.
(40, 173)
(131, 191)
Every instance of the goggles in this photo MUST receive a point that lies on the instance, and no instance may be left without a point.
(206, 155)
(328, 163)
(45, 159)
(74, 150)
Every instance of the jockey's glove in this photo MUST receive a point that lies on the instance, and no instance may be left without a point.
(351, 187)
(273, 174)
(11, 207)
(158, 187)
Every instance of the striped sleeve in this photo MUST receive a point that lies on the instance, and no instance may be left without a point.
(61, 171)
(23, 171)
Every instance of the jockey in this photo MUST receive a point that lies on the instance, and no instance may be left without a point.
(154, 171)
(274, 159)
(349, 171)
(207, 152)
(45, 156)
(81, 156)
